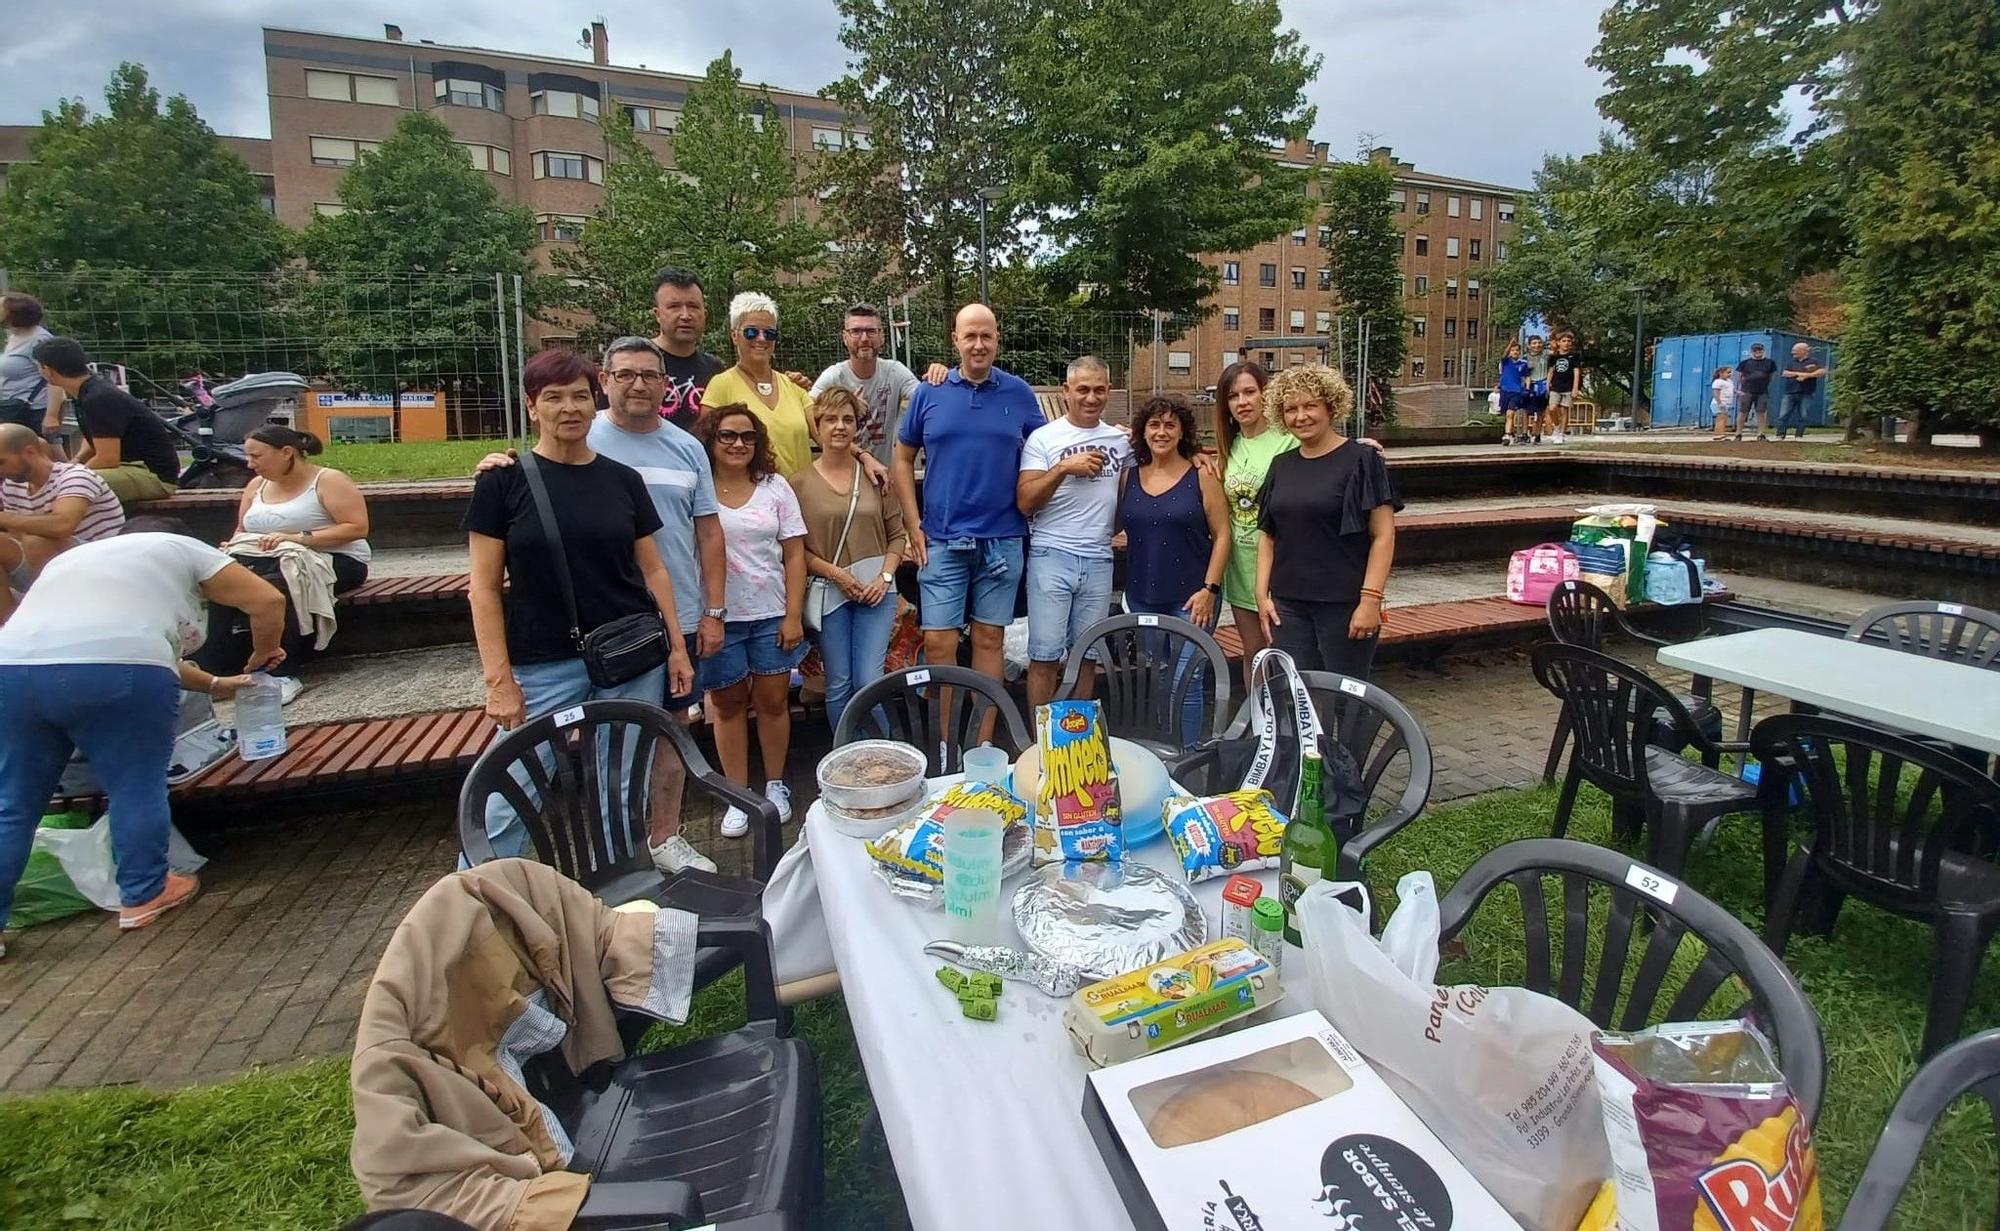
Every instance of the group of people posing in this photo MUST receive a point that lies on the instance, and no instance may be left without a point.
(1737, 393)
(696, 492)
(1537, 389)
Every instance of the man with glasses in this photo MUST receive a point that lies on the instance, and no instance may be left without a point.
(883, 385)
(675, 469)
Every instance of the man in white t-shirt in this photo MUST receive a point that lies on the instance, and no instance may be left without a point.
(47, 506)
(1070, 479)
(883, 385)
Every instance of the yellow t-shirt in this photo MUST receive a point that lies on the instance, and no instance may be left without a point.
(789, 422)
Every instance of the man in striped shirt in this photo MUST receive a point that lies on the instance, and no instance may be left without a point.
(47, 506)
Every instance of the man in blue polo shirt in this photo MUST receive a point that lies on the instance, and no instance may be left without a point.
(967, 542)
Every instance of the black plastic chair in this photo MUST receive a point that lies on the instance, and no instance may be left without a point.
(551, 772)
(1923, 854)
(1361, 717)
(1967, 1066)
(1581, 614)
(724, 1130)
(1142, 683)
(936, 709)
(1628, 732)
(1953, 632)
(1651, 917)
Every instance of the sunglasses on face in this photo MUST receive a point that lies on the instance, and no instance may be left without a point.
(759, 333)
(627, 376)
(730, 436)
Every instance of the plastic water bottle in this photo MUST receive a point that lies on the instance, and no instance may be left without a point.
(260, 719)
(972, 874)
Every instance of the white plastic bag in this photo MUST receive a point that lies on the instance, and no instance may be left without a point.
(1502, 1075)
(800, 948)
(85, 856)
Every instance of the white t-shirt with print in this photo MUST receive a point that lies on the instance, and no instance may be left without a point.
(752, 539)
(135, 598)
(1080, 517)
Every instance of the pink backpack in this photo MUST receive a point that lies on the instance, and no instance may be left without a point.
(1533, 573)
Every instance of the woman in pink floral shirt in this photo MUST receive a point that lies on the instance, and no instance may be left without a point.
(763, 633)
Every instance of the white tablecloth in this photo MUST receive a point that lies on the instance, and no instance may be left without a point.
(985, 1119)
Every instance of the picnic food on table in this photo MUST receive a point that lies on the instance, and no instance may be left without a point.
(1216, 835)
(1051, 977)
(1222, 1103)
(911, 855)
(1143, 786)
(866, 784)
(1169, 1002)
(1075, 801)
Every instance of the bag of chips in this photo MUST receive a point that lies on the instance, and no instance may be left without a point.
(1077, 815)
(910, 857)
(1704, 1132)
(1216, 835)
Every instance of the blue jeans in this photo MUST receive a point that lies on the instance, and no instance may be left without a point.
(853, 643)
(1792, 413)
(1067, 593)
(1194, 704)
(545, 688)
(976, 577)
(123, 716)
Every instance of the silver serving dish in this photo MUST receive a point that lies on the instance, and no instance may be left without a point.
(871, 774)
(1108, 918)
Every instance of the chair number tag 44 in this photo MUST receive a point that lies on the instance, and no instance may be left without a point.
(569, 717)
(920, 677)
(1654, 886)
(1354, 688)
(1149, 621)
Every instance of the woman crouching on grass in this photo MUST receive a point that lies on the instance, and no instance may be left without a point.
(1327, 531)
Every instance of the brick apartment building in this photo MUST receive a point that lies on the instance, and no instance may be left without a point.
(529, 122)
(256, 151)
(1454, 232)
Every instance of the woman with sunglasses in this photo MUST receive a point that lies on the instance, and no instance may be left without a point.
(763, 636)
(1327, 529)
(756, 383)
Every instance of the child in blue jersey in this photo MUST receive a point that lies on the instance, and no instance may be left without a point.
(1513, 392)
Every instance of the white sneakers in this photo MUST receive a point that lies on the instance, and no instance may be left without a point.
(736, 823)
(289, 688)
(677, 854)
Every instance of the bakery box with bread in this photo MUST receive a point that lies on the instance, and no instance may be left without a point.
(1277, 1126)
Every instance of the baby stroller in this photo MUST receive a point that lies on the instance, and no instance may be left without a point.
(215, 426)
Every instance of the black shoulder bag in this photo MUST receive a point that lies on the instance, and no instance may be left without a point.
(623, 649)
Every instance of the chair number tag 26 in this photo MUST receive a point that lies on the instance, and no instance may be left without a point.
(569, 717)
(1149, 621)
(1354, 688)
(1654, 886)
(920, 677)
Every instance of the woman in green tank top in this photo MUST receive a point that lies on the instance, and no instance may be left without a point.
(1245, 442)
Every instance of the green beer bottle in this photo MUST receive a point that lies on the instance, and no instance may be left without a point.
(1309, 847)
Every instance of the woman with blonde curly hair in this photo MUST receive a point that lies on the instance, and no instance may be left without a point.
(1326, 531)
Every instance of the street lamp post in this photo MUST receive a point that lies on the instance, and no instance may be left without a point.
(1638, 347)
(986, 197)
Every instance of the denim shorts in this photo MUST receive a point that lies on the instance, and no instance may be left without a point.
(749, 647)
(976, 577)
(1067, 593)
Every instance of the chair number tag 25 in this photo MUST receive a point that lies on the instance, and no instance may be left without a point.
(569, 717)
(1354, 688)
(919, 677)
(1654, 886)
(1149, 621)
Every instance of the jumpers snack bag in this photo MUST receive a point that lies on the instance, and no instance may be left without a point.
(914, 850)
(1704, 1133)
(1077, 815)
(1216, 835)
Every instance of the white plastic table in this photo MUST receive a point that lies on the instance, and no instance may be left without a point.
(984, 1118)
(1904, 692)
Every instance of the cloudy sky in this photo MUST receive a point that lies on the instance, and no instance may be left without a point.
(1476, 88)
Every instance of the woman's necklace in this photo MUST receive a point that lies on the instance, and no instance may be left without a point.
(764, 387)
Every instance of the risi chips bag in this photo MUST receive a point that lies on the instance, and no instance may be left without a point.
(1705, 1135)
(1077, 816)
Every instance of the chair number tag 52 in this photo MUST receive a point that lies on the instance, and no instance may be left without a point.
(919, 677)
(569, 717)
(1149, 621)
(1654, 886)
(1354, 688)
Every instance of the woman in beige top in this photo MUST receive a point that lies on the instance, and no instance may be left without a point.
(859, 573)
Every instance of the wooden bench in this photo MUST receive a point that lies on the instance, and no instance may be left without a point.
(325, 756)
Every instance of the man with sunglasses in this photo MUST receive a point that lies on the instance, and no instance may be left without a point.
(883, 385)
(675, 469)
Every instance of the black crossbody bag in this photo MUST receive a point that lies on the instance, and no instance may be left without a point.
(623, 649)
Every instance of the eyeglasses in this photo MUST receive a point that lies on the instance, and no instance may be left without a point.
(626, 376)
(758, 333)
(863, 331)
(730, 436)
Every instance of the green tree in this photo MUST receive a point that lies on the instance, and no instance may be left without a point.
(1144, 139)
(404, 293)
(728, 209)
(1364, 254)
(927, 81)
(145, 235)
(1924, 282)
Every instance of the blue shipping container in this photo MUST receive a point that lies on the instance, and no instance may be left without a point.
(1684, 366)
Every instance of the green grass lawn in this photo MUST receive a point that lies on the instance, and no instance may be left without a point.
(439, 459)
(270, 1149)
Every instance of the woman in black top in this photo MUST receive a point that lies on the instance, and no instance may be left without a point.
(1327, 533)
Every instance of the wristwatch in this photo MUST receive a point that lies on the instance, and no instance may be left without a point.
(714, 613)
(888, 579)
(1213, 587)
